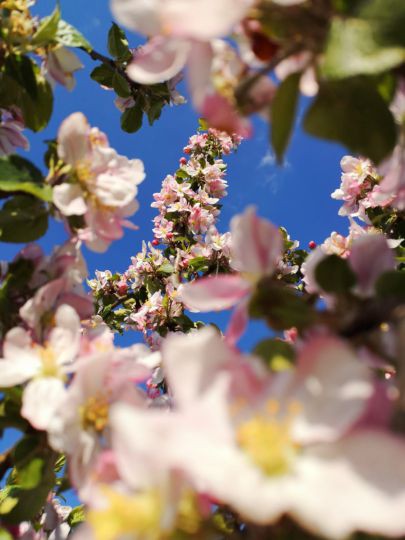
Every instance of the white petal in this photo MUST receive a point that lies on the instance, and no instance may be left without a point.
(355, 484)
(333, 387)
(68, 198)
(41, 398)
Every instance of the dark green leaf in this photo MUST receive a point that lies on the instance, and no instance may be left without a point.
(47, 29)
(131, 119)
(70, 37)
(387, 18)
(19, 174)
(283, 109)
(120, 85)
(391, 284)
(334, 275)
(23, 219)
(277, 353)
(154, 111)
(23, 70)
(103, 75)
(18, 504)
(281, 306)
(353, 113)
(118, 43)
(353, 50)
(37, 112)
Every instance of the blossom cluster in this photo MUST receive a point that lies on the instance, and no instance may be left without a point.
(186, 226)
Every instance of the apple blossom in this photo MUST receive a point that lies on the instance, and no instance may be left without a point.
(44, 367)
(11, 138)
(103, 185)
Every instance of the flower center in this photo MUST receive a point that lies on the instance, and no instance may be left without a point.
(266, 438)
(130, 517)
(50, 366)
(94, 413)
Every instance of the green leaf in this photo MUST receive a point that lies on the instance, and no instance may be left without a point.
(19, 174)
(37, 112)
(23, 219)
(121, 85)
(48, 28)
(352, 112)
(103, 74)
(154, 112)
(30, 476)
(391, 284)
(283, 110)
(22, 70)
(278, 354)
(352, 49)
(334, 275)
(387, 18)
(5, 535)
(18, 504)
(281, 306)
(76, 516)
(118, 43)
(131, 119)
(166, 268)
(70, 37)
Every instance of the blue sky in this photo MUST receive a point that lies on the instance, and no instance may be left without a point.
(296, 195)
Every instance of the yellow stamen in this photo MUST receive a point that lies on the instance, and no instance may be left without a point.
(94, 413)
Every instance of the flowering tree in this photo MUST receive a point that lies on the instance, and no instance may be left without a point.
(185, 436)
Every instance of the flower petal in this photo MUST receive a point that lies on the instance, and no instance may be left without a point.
(73, 138)
(68, 198)
(256, 244)
(41, 398)
(214, 293)
(159, 60)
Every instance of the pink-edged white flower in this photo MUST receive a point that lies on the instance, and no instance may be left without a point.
(57, 280)
(370, 255)
(43, 367)
(183, 33)
(104, 187)
(256, 247)
(11, 137)
(59, 66)
(80, 425)
(298, 445)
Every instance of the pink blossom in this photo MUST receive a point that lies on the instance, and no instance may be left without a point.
(59, 66)
(11, 138)
(107, 186)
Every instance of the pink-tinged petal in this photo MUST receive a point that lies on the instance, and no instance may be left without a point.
(139, 15)
(256, 244)
(370, 256)
(198, 357)
(83, 305)
(73, 139)
(41, 398)
(238, 323)
(356, 484)
(68, 198)
(159, 60)
(199, 71)
(203, 19)
(333, 387)
(214, 293)
(222, 115)
(308, 269)
(64, 339)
